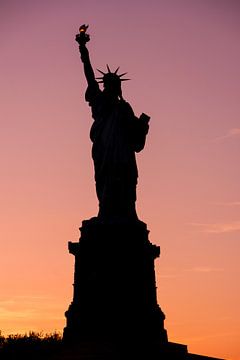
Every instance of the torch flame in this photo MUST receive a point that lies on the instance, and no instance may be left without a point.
(83, 28)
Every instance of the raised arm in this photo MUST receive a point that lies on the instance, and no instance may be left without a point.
(82, 38)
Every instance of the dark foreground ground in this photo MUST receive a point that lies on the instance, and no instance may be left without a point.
(36, 346)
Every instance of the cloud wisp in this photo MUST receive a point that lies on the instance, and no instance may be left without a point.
(232, 133)
(217, 228)
(230, 203)
(205, 269)
(6, 314)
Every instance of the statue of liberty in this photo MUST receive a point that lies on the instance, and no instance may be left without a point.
(116, 134)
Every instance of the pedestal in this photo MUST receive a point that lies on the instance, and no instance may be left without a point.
(114, 296)
(114, 313)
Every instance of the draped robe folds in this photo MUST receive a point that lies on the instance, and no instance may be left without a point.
(116, 134)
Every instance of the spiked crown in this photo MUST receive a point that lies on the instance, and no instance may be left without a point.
(110, 77)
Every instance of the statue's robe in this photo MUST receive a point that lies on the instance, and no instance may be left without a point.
(116, 134)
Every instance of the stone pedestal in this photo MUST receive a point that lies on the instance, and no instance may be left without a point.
(114, 286)
(114, 313)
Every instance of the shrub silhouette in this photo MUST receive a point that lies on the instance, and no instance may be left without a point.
(34, 345)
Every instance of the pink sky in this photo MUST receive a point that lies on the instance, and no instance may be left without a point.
(183, 58)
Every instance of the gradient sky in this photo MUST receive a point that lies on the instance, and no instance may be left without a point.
(183, 58)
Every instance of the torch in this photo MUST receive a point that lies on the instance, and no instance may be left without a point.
(82, 38)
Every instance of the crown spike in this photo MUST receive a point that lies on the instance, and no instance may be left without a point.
(124, 79)
(108, 69)
(122, 74)
(101, 72)
(115, 72)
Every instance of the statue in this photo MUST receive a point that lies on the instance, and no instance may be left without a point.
(116, 134)
(114, 297)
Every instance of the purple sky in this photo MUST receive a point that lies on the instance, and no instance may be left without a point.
(183, 58)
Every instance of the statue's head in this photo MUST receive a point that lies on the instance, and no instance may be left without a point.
(112, 82)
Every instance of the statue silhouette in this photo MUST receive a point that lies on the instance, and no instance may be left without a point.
(114, 313)
(116, 134)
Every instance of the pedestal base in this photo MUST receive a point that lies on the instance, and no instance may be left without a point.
(114, 285)
(114, 313)
(109, 351)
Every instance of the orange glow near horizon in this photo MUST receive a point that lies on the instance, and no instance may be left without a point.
(186, 77)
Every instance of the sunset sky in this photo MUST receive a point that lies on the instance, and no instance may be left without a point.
(183, 58)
